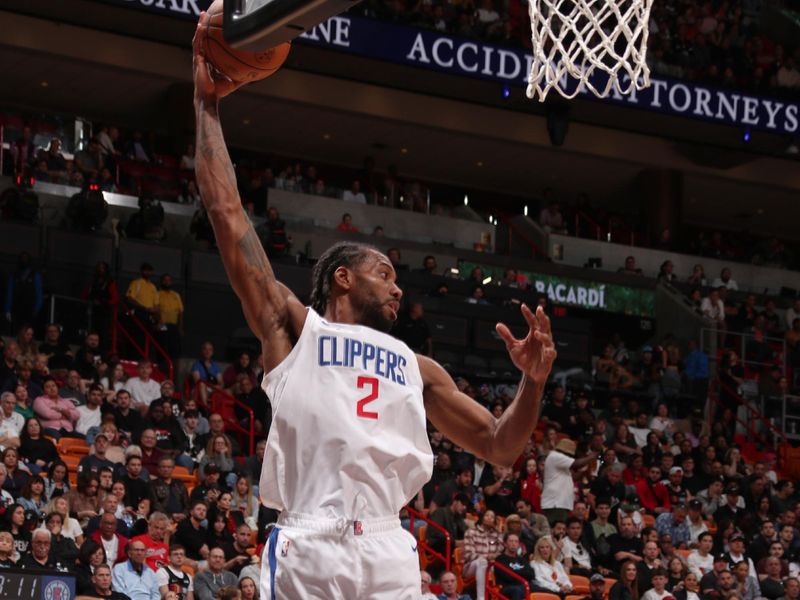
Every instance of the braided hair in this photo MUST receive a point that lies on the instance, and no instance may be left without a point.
(341, 254)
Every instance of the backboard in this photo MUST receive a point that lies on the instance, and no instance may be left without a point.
(259, 24)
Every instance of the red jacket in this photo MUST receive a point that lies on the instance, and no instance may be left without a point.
(122, 556)
(652, 496)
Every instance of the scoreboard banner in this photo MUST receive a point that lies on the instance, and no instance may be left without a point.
(509, 67)
(579, 293)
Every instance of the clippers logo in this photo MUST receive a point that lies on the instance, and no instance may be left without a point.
(358, 529)
(56, 590)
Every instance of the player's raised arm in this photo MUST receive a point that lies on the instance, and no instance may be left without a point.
(268, 305)
(470, 425)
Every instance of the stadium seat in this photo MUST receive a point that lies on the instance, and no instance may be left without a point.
(72, 461)
(574, 597)
(458, 569)
(67, 445)
(580, 584)
(648, 520)
(609, 584)
(182, 474)
(544, 596)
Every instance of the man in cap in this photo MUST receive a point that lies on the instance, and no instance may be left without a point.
(695, 521)
(674, 524)
(733, 509)
(736, 554)
(677, 491)
(709, 584)
(597, 588)
(558, 491)
(652, 493)
(451, 517)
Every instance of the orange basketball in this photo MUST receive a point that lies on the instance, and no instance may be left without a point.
(241, 66)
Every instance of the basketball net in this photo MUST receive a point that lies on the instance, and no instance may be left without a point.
(594, 45)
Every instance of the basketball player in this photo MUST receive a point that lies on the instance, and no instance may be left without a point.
(348, 445)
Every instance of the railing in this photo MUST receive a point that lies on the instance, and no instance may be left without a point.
(118, 329)
(607, 234)
(493, 593)
(593, 225)
(752, 413)
(708, 335)
(512, 229)
(219, 400)
(423, 544)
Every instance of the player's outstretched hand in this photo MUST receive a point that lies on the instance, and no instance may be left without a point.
(206, 87)
(534, 355)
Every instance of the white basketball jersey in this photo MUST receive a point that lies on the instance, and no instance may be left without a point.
(348, 437)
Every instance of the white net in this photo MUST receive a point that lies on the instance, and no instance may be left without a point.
(594, 45)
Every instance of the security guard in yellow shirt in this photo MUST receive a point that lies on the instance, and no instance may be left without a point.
(170, 309)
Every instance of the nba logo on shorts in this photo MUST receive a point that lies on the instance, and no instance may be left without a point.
(56, 590)
(357, 528)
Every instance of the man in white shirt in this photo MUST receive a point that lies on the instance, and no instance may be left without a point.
(558, 490)
(142, 389)
(12, 422)
(354, 194)
(90, 415)
(713, 308)
(700, 560)
(725, 280)
(574, 554)
(736, 554)
(694, 520)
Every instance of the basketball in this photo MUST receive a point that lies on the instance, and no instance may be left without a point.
(240, 66)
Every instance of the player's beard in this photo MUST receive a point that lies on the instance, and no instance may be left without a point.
(371, 313)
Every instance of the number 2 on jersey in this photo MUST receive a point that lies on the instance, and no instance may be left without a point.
(372, 382)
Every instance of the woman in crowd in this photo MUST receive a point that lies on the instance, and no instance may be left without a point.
(530, 487)
(652, 452)
(90, 556)
(624, 442)
(23, 406)
(725, 529)
(16, 475)
(6, 550)
(85, 501)
(37, 451)
(70, 527)
(550, 574)
(242, 365)
(635, 471)
(219, 452)
(627, 586)
(549, 440)
(733, 467)
(62, 547)
(248, 588)
(113, 382)
(676, 573)
(218, 530)
(16, 526)
(690, 589)
(57, 481)
(27, 345)
(32, 497)
(244, 502)
(661, 421)
(58, 415)
(482, 544)
(698, 276)
(746, 585)
(116, 443)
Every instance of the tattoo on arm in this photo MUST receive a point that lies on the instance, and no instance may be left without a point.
(255, 257)
(211, 146)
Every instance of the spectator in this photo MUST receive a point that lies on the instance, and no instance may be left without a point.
(97, 460)
(219, 452)
(57, 481)
(551, 219)
(652, 493)
(451, 518)
(772, 584)
(73, 388)
(512, 559)
(574, 554)
(659, 582)
(142, 389)
(191, 534)
(89, 420)
(133, 577)
(428, 266)
(208, 583)
(354, 194)
(63, 550)
(12, 422)
(168, 495)
(24, 294)
(550, 574)
(449, 584)
(216, 426)
(425, 579)
(107, 534)
(346, 224)
(482, 544)
(236, 552)
(127, 420)
(102, 582)
(674, 524)
(597, 588)
(244, 501)
(725, 280)
(55, 163)
(39, 556)
(58, 415)
(151, 453)
(16, 525)
(665, 272)
(698, 277)
(32, 498)
(172, 578)
(84, 501)
(206, 370)
(142, 295)
(412, 328)
(156, 551)
(58, 353)
(630, 269)
(558, 496)
(187, 160)
(273, 235)
(136, 150)
(242, 365)
(627, 586)
(170, 318)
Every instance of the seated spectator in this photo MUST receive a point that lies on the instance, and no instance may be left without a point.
(449, 584)
(136, 487)
(450, 517)
(206, 370)
(216, 426)
(674, 524)
(725, 280)
(575, 555)
(36, 451)
(772, 584)
(168, 495)
(659, 582)
(23, 376)
(142, 388)
(652, 493)
(58, 353)
(346, 224)
(187, 159)
(191, 534)
(156, 549)
(97, 459)
(625, 546)
(244, 501)
(16, 474)
(219, 452)
(172, 578)
(12, 421)
(133, 577)
(511, 559)
(58, 415)
(236, 552)
(550, 574)
(151, 454)
(127, 419)
(354, 194)
(273, 236)
(16, 525)
(627, 586)
(70, 527)
(108, 536)
(482, 544)
(208, 583)
(242, 365)
(89, 419)
(73, 388)
(630, 267)
(62, 548)
(39, 556)
(57, 481)
(551, 219)
(32, 498)
(253, 397)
